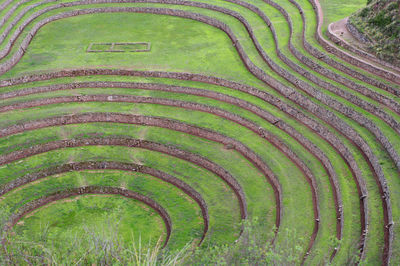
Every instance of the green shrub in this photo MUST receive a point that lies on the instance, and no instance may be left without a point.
(364, 12)
(380, 20)
(393, 6)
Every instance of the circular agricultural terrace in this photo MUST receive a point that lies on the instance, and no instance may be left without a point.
(177, 120)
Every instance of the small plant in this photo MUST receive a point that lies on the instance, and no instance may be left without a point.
(107, 248)
(364, 12)
(251, 249)
(90, 248)
(381, 19)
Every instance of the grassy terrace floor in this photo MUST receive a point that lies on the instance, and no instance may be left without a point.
(68, 217)
(186, 218)
(185, 45)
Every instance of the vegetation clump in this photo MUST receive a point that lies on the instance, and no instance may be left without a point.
(105, 247)
(379, 21)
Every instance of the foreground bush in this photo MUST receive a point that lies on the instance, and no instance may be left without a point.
(106, 248)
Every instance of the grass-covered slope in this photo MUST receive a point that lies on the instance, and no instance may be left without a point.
(379, 22)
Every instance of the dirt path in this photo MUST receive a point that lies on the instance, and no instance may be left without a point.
(340, 30)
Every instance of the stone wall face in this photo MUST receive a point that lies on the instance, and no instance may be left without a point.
(358, 35)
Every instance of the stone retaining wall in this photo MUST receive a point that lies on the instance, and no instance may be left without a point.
(129, 142)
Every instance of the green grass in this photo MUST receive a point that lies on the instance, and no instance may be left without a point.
(205, 64)
(296, 181)
(337, 10)
(184, 45)
(186, 220)
(325, 192)
(67, 219)
(223, 205)
(243, 113)
(170, 45)
(100, 47)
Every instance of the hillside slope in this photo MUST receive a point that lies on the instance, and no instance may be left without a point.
(379, 22)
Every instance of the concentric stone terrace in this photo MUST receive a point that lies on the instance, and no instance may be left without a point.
(240, 109)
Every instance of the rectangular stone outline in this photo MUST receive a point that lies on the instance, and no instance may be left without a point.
(111, 49)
